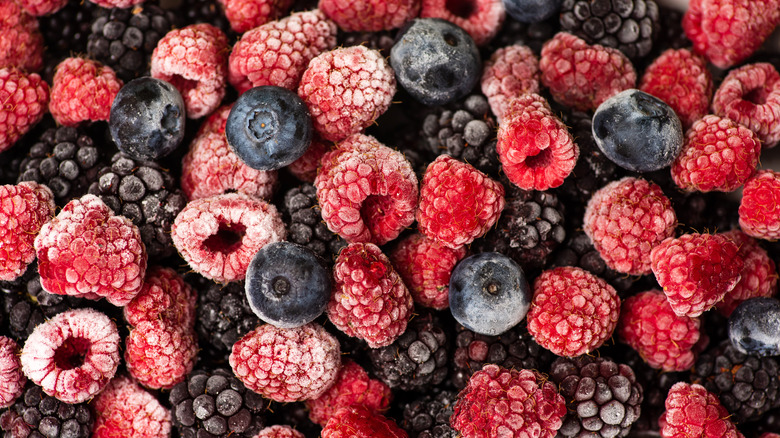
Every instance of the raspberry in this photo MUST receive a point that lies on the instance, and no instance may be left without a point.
(73, 355)
(371, 15)
(119, 408)
(218, 236)
(718, 154)
(758, 278)
(359, 422)
(287, 364)
(21, 42)
(535, 148)
(482, 19)
(82, 90)
(508, 402)
(305, 167)
(691, 409)
(24, 208)
(244, 15)
(369, 300)
(87, 251)
(40, 8)
(681, 79)
(663, 339)
(25, 97)
(277, 53)
(759, 209)
(583, 76)
(194, 60)
(346, 89)
(696, 270)
(425, 267)
(122, 4)
(160, 355)
(458, 203)
(165, 296)
(572, 312)
(627, 218)
(279, 431)
(10, 372)
(367, 191)
(511, 71)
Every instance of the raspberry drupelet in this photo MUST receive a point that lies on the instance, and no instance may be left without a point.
(82, 91)
(370, 15)
(12, 379)
(482, 19)
(510, 72)
(164, 296)
(159, 355)
(359, 422)
(21, 42)
(121, 404)
(42, 7)
(244, 15)
(758, 278)
(691, 407)
(759, 209)
(25, 97)
(24, 209)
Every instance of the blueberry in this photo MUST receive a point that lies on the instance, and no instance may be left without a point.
(637, 131)
(269, 127)
(287, 284)
(754, 326)
(435, 61)
(147, 118)
(489, 293)
(532, 11)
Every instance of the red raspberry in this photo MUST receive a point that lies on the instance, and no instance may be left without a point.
(277, 53)
(287, 365)
(758, 278)
(682, 80)
(216, 121)
(159, 355)
(166, 297)
(499, 402)
(119, 408)
(73, 355)
(369, 300)
(10, 372)
(691, 410)
(24, 97)
(458, 203)
(123, 4)
(572, 312)
(627, 218)
(218, 236)
(82, 90)
(696, 270)
(511, 71)
(358, 422)
(305, 167)
(759, 209)
(24, 208)
(40, 8)
(534, 147)
(664, 340)
(279, 431)
(718, 154)
(21, 42)
(370, 15)
(244, 15)
(367, 191)
(584, 76)
(482, 19)
(425, 266)
(194, 60)
(87, 251)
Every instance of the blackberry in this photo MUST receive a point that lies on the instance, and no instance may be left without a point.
(223, 317)
(45, 416)
(381, 41)
(429, 416)
(670, 34)
(533, 35)
(306, 227)
(206, 11)
(65, 33)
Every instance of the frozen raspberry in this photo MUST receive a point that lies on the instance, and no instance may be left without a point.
(123, 4)
(24, 208)
(165, 296)
(352, 387)
(21, 42)
(750, 96)
(696, 270)
(346, 89)
(159, 355)
(25, 98)
(681, 79)
(305, 167)
(370, 15)
(367, 191)
(12, 379)
(194, 60)
(482, 19)
(572, 312)
(691, 410)
(87, 251)
(218, 236)
(287, 365)
(40, 8)
(663, 339)
(584, 76)
(73, 355)
(279, 431)
(277, 53)
(120, 406)
(510, 72)
(508, 402)
(534, 146)
(82, 90)
(759, 209)
(627, 218)
(369, 300)
(758, 277)
(244, 15)
(458, 203)
(359, 422)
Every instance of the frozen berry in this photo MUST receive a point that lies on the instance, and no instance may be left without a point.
(24, 209)
(532, 11)
(754, 326)
(119, 406)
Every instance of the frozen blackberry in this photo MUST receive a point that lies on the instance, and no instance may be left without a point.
(65, 33)
(306, 226)
(533, 35)
(703, 212)
(206, 11)
(224, 316)
(670, 34)
(381, 41)
(429, 416)
(48, 417)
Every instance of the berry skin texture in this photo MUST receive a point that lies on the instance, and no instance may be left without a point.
(305, 167)
(40, 8)
(124, 4)
(73, 355)
(21, 42)
(358, 422)
(287, 365)
(244, 15)
(625, 220)
(159, 355)
(534, 146)
(532, 11)
(82, 90)
(759, 275)
(121, 404)
(458, 203)
(87, 251)
(482, 19)
(24, 208)
(279, 431)
(25, 98)
(752, 327)
(12, 379)
(371, 15)
(369, 300)
(511, 71)
(759, 209)
(691, 410)
(166, 297)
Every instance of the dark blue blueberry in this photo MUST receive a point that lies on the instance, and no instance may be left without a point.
(532, 11)
(269, 127)
(435, 61)
(754, 326)
(147, 119)
(637, 131)
(489, 293)
(287, 284)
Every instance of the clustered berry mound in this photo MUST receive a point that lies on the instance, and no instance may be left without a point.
(24, 209)
(25, 97)
(119, 406)
(759, 209)
(10, 372)
(82, 90)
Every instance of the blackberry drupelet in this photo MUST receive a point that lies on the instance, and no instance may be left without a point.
(429, 416)
(65, 33)
(223, 317)
(48, 417)
(533, 35)
(381, 41)
(670, 35)
(206, 11)
(305, 225)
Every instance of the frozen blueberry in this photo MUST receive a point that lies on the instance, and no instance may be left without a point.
(489, 293)
(754, 326)
(287, 284)
(532, 11)
(637, 131)
(147, 118)
(269, 127)
(435, 61)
